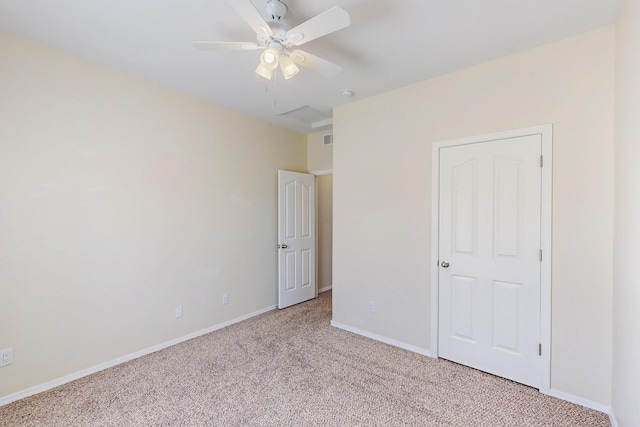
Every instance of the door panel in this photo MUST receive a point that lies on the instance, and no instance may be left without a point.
(306, 268)
(508, 207)
(289, 209)
(489, 231)
(290, 269)
(505, 316)
(296, 236)
(462, 307)
(465, 202)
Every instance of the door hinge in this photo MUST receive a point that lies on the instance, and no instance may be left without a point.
(539, 349)
(541, 161)
(540, 255)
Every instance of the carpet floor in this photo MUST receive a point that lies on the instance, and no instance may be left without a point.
(291, 368)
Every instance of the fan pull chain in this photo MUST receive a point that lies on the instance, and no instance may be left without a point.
(275, 91)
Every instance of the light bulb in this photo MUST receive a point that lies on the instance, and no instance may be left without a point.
(269, 58)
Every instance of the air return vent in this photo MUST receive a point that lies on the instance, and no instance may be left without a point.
(328, 139)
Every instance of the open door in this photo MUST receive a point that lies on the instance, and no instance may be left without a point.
(296, 238)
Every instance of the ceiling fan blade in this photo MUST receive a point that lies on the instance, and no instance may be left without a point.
(226, 45)
(314, 63)
(248, 12)
(327, 22)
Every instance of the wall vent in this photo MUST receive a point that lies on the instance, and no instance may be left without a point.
(328, 139)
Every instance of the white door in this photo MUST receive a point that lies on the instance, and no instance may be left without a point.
(489, 254)
(296, 238)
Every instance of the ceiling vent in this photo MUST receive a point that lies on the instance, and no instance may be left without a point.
(308, 116)
(328, 139)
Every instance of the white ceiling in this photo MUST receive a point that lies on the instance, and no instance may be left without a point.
(389, 44)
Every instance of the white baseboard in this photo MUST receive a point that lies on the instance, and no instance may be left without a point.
(92, 370)
(579, 401)
(551, 392)
(325, 289)
(612, 419)
(383, 339)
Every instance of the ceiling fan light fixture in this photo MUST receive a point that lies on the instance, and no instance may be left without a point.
(269, 58)
(288, 68)
(264, 72)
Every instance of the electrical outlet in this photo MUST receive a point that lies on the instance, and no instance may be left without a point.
(6, 357)
(178, 311)
(225, 299)
(372, 307)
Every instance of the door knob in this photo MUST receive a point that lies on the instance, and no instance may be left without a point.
(283, 246)
(445, 264)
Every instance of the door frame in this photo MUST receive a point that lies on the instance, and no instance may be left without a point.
(546, 133)
(318, 173)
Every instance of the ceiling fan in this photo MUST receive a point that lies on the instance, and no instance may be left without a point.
(278, 40)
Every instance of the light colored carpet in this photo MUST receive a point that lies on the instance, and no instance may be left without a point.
(290, 368)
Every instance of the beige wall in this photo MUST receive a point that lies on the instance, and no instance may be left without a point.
(121, 200)
(626, 309)
(320, 156)
(382, 196)
(325, 231)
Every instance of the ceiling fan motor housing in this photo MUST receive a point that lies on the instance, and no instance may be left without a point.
(279, 30)
(276, 9)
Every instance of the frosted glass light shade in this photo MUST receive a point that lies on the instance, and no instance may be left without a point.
(288, 68)
(269, 58)
(263, 71)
